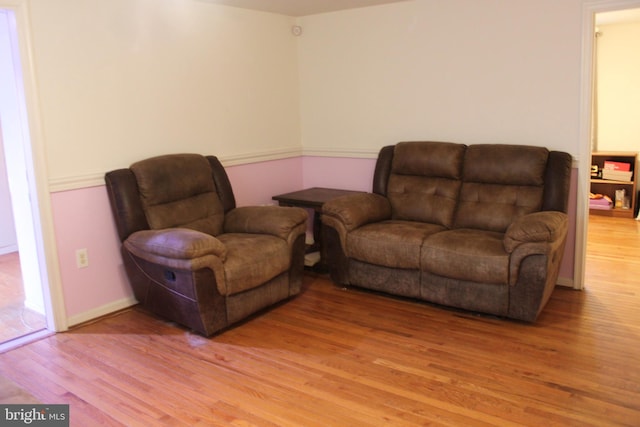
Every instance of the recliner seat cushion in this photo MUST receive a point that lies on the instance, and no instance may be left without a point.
(467, 254)
(178, 191)
(390, 243)
(252, 259)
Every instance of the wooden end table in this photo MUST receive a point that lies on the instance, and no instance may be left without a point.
(313, 198)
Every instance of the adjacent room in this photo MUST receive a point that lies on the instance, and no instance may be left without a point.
(301, 94)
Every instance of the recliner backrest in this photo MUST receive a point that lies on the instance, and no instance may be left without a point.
(178, 190)
(482, 186)
(424, 181)
(499, 184)
(126, 203)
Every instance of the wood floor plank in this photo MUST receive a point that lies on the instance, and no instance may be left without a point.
(337, 357)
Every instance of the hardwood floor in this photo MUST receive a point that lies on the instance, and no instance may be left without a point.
(336, 357)
(16, 320)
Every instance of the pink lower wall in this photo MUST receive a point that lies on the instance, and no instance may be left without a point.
(256, 183)
(82, 219)
(567, 269)
(332, 172)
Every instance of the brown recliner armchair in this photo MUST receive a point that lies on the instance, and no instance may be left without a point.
(190, 254)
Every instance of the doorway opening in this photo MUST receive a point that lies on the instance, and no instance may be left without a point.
(588, 125)
(615, 104)
(25, 311)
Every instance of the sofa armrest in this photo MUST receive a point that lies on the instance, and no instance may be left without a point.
(540, 235)
(279, 221)
(537, 227)
(356, 210)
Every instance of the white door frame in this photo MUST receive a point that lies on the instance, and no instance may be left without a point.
(589, 11)
(36, 171)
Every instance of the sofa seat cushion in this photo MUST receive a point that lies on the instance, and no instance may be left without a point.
(391, 243)
(251, 260)
(467, 254)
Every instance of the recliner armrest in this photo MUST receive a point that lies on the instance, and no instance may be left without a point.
(356, 210)
(180, 249)
(539, 234)
(279, 221)
(537, 227)
(179, 243)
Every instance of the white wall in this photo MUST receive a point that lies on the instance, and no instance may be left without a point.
(490, 71)
(619, 87)
(120, 80)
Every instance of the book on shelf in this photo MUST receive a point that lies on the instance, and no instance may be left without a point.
(600, 201)
(616, 175)
(617, 166)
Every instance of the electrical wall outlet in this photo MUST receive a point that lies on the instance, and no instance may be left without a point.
(82, 258)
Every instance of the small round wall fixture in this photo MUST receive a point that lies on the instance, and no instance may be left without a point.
(296, 30)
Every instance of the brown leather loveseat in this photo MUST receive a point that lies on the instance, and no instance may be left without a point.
(478, 227)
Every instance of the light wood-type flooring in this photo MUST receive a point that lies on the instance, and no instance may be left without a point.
(16, 320)
(345, 357)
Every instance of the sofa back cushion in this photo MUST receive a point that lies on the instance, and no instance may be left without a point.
(178, 190)
(499, 184)
(425, 181)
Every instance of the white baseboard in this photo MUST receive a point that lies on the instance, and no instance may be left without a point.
(101, 311)
(24, 340)
(565, 281)
(8, 249)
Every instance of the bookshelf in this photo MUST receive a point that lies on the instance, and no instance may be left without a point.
(608, 187)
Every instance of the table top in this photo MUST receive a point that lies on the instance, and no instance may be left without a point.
(315, 196)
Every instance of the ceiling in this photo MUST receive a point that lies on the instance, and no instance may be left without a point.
(301, 7)
(618, 16)
(312, 7)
